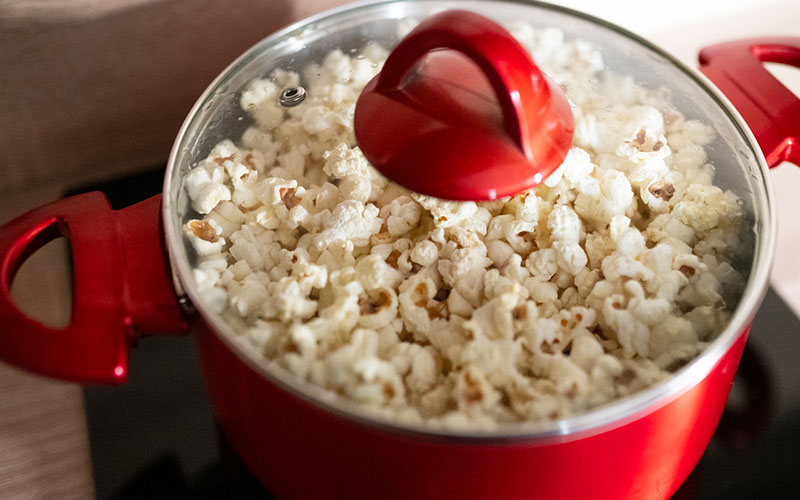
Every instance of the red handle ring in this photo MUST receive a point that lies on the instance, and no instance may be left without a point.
(770, 109)
(428, 145)
(501, 58)
(121, 288)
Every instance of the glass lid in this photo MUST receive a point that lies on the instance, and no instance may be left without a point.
(611, 288)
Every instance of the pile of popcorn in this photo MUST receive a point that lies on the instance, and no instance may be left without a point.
(598, 283)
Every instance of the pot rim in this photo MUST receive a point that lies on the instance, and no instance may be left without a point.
(595, 420)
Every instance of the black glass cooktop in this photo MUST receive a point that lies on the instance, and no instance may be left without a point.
(156, 438)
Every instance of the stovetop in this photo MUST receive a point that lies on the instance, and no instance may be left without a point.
(156, 438)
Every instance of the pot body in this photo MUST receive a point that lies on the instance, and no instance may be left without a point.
(299, 451)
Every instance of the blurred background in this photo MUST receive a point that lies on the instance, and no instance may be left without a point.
(93, 92)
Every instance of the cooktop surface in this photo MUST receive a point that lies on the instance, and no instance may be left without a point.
(156, 437)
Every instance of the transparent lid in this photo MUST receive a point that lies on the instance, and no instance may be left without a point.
(732, 151)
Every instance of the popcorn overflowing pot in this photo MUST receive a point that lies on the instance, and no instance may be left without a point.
(573, 335)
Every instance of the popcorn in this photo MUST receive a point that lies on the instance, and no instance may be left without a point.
(416, 293)
(629, 240)
(670, 336)
(514, 269)
(418, 363)
(319, 119)
(665, 226)
(458, 304)
(691, 133)
(571, 256)
(205, 236)
(576, 167)
(446, 213)
(260, 100)
(542, 292)
(705, 207)
(564, 225)
(342, 162)
(274, 190)
(378, 308)
(265, 335)
(205, 189)
(263, 149)
(248, 296)
(543, 263)
(633, 335)
(401, 215)
(607, 130)
(607, 277)
(425, 253)
(373, 272)
(350, 221)
(586, 351)
(692, 158)
(227, 217)
(246, 247)
(473, 392)
(289, 301)
(657, 192)
(499, 251)
(344, 312)
(520, 234)
(613, 197)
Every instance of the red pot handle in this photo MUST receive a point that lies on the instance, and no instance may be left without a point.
(770, 109)
(121, 288)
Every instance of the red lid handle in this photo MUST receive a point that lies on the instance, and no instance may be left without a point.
(460, 111)
(770, 109)
(509, 68)
(121, 288)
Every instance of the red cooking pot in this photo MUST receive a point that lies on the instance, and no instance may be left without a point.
(133, 277)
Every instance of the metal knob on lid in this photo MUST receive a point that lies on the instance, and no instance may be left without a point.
(460, 111)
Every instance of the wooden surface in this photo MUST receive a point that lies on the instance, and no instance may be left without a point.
(43, 440)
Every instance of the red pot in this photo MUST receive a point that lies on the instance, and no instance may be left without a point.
(132, 277)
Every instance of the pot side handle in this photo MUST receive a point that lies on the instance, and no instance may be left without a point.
(121, 288)
(770, 109)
